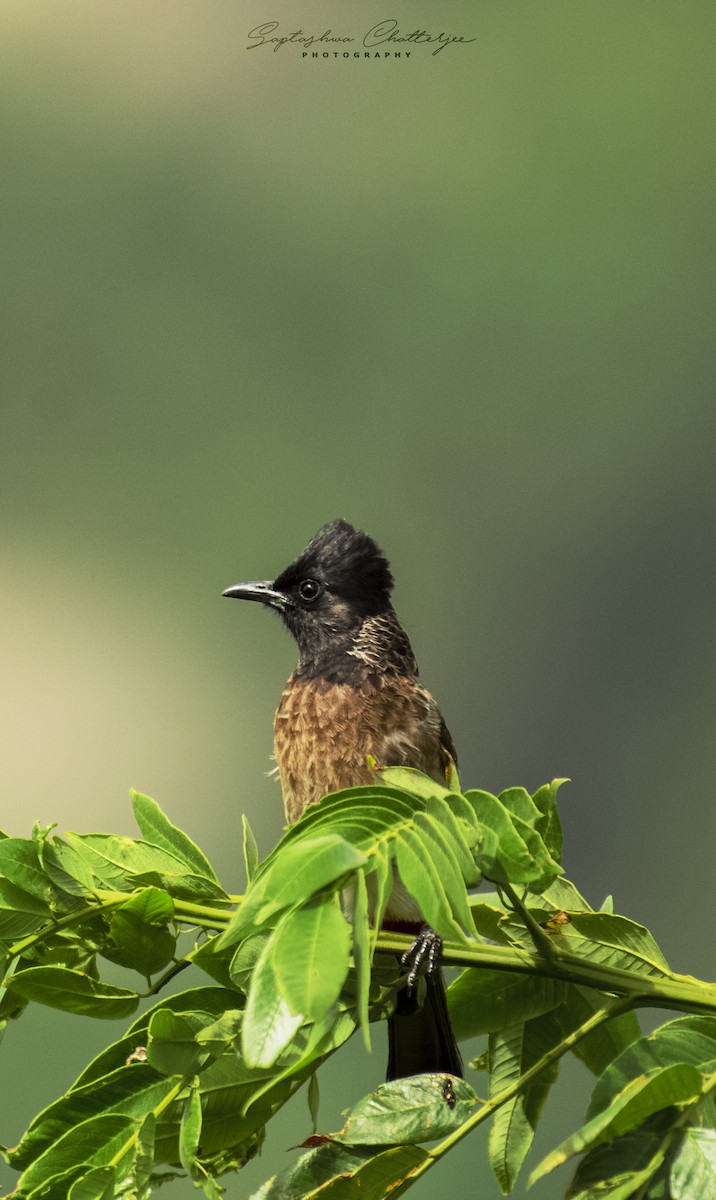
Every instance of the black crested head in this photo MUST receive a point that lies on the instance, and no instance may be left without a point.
(346, 563)
(329, 599)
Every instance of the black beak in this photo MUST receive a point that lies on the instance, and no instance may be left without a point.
(264, 592)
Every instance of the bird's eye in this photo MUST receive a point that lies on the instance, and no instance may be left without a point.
(309, 589)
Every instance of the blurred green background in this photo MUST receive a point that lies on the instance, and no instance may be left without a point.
(465, 301)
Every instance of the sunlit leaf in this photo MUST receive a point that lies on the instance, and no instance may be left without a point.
(190, 1130)
(613, 941)
(416, 1109)
(422, 879)
(73, 991)
(67, 868)
(130, 1090)
(684, 1040)
(20, 864)
(269, 1024)
(549, 826)
(98, 1184)
(98, 1142)
(693, 1171)
(647, 1094)
(303, 869)
(519, 803)
(362, 952)
(413, 781)
(251, 854)
(309, 955)
(156, 828)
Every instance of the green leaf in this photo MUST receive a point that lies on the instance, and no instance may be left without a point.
(362, 953)
(245, 957)
(251, 854)
(599, 1047)
(379, 885)
(446, 856)
(214, 961)
(310, 951)
(130, 1090)
(269, 1025)
(519, 803)
(364, 816)
(413, 781)
(661, 1088)
(549, 826)
(220, 1034)
(462, 837)
(212, 1000)
(561, 895)
(21, 913)
(335, 1172)
(684, 1040)
(487, 1001)
(143, 1164)
(313, 1099)
(98, 1184)
(73, 991)
(693, 1171)
(173, 1048)
(613, 941)
(618, 1169)
(512, 1051)
(99, 1141)
(156, 828)
(68, 868)
(408, 1111)
(229, 1122)
(422, 879)
(190, 1130)
(139, 934)
(20, 864)
(122, 863)
(303, 868)
(511, 850)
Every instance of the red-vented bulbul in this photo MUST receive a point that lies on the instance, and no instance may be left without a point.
(355, 693)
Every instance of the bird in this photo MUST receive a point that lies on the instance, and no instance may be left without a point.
(355, 699)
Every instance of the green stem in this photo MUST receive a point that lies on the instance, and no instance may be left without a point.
(607, 1013)
(680, 992)
(73, 918)
(195, 914)
(542, 941)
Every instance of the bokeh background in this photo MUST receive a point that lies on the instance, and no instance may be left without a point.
(465, 301)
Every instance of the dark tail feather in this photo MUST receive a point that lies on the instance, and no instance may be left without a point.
(421, 1039)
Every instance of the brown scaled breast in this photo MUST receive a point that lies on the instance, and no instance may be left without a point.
(324, 732)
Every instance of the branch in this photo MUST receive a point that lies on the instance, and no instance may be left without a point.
(607, 1013)
(681, 992)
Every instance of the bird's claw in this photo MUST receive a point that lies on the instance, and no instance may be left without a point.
(423, 956)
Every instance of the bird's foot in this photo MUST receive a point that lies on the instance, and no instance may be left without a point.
(423, 956)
